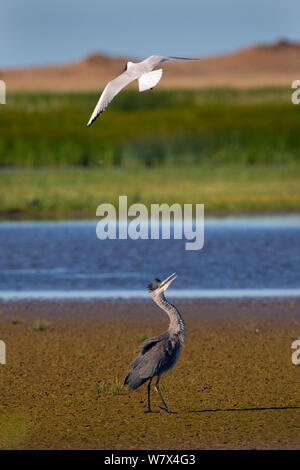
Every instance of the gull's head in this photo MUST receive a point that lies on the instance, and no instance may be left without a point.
(128, 65)
(158, 287)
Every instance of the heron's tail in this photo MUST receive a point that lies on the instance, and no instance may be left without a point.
(134, 380)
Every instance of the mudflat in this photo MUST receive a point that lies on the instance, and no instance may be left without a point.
(234, 387)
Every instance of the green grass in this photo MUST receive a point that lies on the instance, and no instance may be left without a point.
(75, 192)
(151, 129)
(15, 321)
(142, 337)
(40, 325)
(101, 388)
(117, 387)
(233, 150)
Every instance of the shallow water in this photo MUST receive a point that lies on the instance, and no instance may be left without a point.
(241, 257)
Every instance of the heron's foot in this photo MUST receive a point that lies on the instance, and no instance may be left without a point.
(151, 411)
(167, 410)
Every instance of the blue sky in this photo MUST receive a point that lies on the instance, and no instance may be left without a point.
(36, 31)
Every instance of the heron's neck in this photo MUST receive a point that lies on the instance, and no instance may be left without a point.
(176, 326)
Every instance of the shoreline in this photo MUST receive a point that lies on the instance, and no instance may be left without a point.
(75, 193)
(141, 309)
(18, 216)
(271, 294)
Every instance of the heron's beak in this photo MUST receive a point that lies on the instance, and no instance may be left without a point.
(165, 284)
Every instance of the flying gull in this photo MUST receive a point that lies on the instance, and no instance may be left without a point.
(141, 71)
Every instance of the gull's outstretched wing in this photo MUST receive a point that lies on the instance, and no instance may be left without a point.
(110, 91)
(149, 80)
(155, 60)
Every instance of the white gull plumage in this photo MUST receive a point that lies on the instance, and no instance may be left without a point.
(141, 71)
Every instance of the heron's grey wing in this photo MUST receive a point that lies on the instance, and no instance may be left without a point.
(157, 359)
(155, 60)
(147, 345)
(110, 91)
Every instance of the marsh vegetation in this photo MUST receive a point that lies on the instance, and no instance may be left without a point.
(231, 149)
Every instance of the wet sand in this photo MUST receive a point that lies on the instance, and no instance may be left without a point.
(234, 386)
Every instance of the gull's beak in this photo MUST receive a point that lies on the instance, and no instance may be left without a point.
(165, 284)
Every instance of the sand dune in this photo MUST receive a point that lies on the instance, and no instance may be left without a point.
(276, 64)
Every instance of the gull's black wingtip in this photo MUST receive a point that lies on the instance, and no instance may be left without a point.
(94, 119)
(91, 121)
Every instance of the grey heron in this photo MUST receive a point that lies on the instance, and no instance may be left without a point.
(141, 71)
(158, 354)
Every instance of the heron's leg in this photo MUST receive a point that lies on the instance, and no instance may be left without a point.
(161, 397)
(149, 392)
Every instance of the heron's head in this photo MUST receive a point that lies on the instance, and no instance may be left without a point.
(158, 287)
